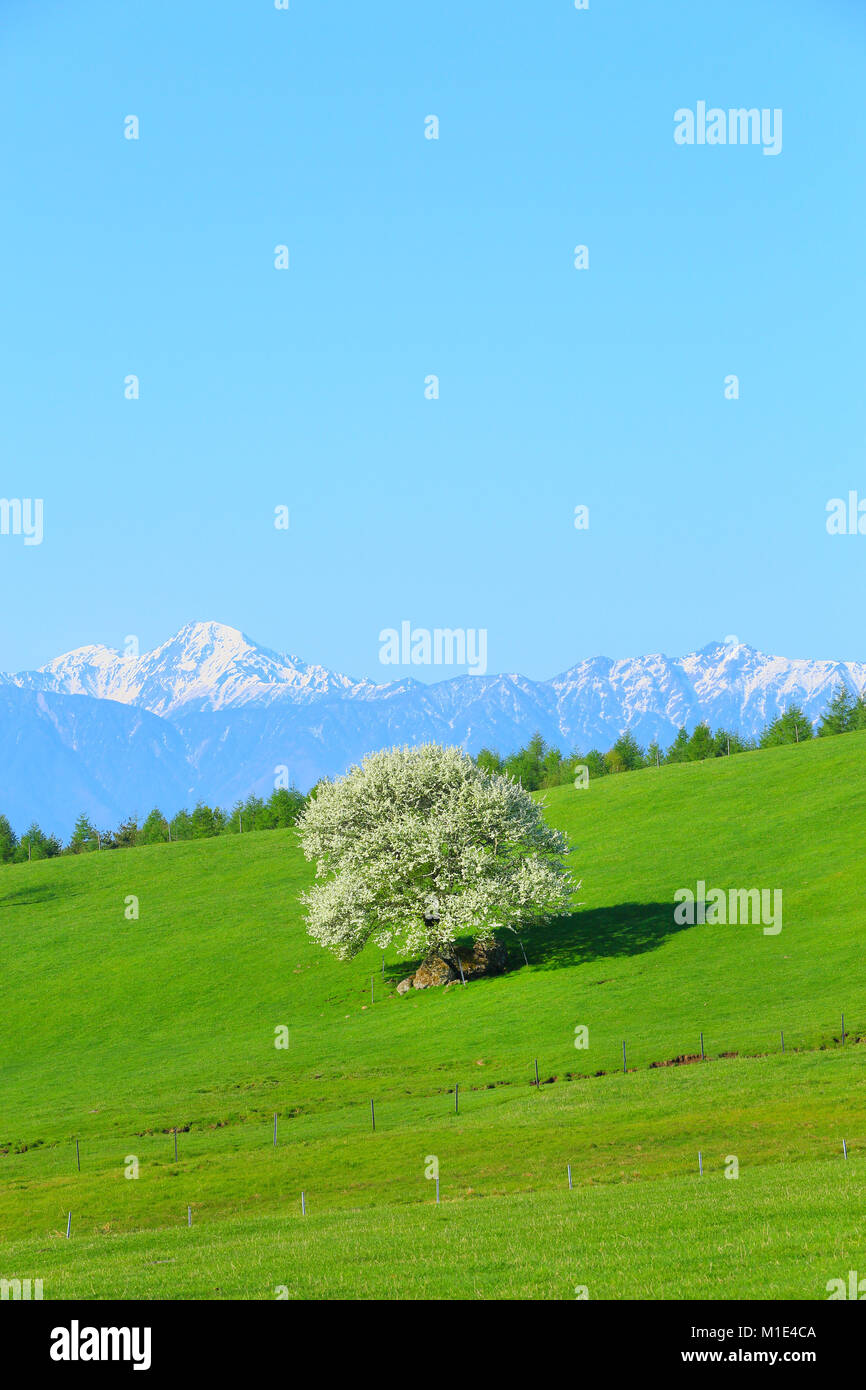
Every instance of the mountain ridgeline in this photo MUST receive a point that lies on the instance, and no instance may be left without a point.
(536, 766)
(212, 717)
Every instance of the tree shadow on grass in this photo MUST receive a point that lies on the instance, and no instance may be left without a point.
(26, 897)
(624, 929)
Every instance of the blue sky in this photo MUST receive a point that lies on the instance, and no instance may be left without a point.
(411, 257)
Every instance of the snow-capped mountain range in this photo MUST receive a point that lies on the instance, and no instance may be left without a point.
(212, 715)
(206, 666)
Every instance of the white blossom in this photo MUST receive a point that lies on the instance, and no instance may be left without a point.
(419, 846)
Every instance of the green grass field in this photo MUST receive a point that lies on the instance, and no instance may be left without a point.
(116, 1031)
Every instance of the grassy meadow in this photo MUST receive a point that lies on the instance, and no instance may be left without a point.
(118, 1029)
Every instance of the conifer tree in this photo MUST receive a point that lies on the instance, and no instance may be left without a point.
(838, 717)
(8, 841)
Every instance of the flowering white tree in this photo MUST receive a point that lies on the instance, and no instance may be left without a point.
(420, 846)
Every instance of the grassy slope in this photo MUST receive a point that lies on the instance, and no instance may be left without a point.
(777, 1233)
(116, 1030)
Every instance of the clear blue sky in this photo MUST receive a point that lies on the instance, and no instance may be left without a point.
(409, 257)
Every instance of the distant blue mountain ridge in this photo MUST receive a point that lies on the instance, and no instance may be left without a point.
(211, 715)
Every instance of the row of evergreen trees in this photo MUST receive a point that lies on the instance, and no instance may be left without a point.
(536, 766)
(539, 765)
(282, 808)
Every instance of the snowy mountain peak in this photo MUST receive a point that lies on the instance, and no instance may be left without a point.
(88, 670)
(211, 714)
(205, 666)
(209, 636)
(209, 666)
(211, 650)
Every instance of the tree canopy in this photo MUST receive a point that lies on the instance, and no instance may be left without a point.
(421, 846)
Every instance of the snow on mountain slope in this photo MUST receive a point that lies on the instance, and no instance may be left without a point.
(205, 666)
(650, 695)
(214, 715)
(741, 688)
(208, 666)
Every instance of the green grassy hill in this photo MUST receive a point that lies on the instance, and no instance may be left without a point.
(116, 1031)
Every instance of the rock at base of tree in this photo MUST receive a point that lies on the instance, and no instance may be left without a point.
(405, 986)
(433, 971)
(483, 958)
